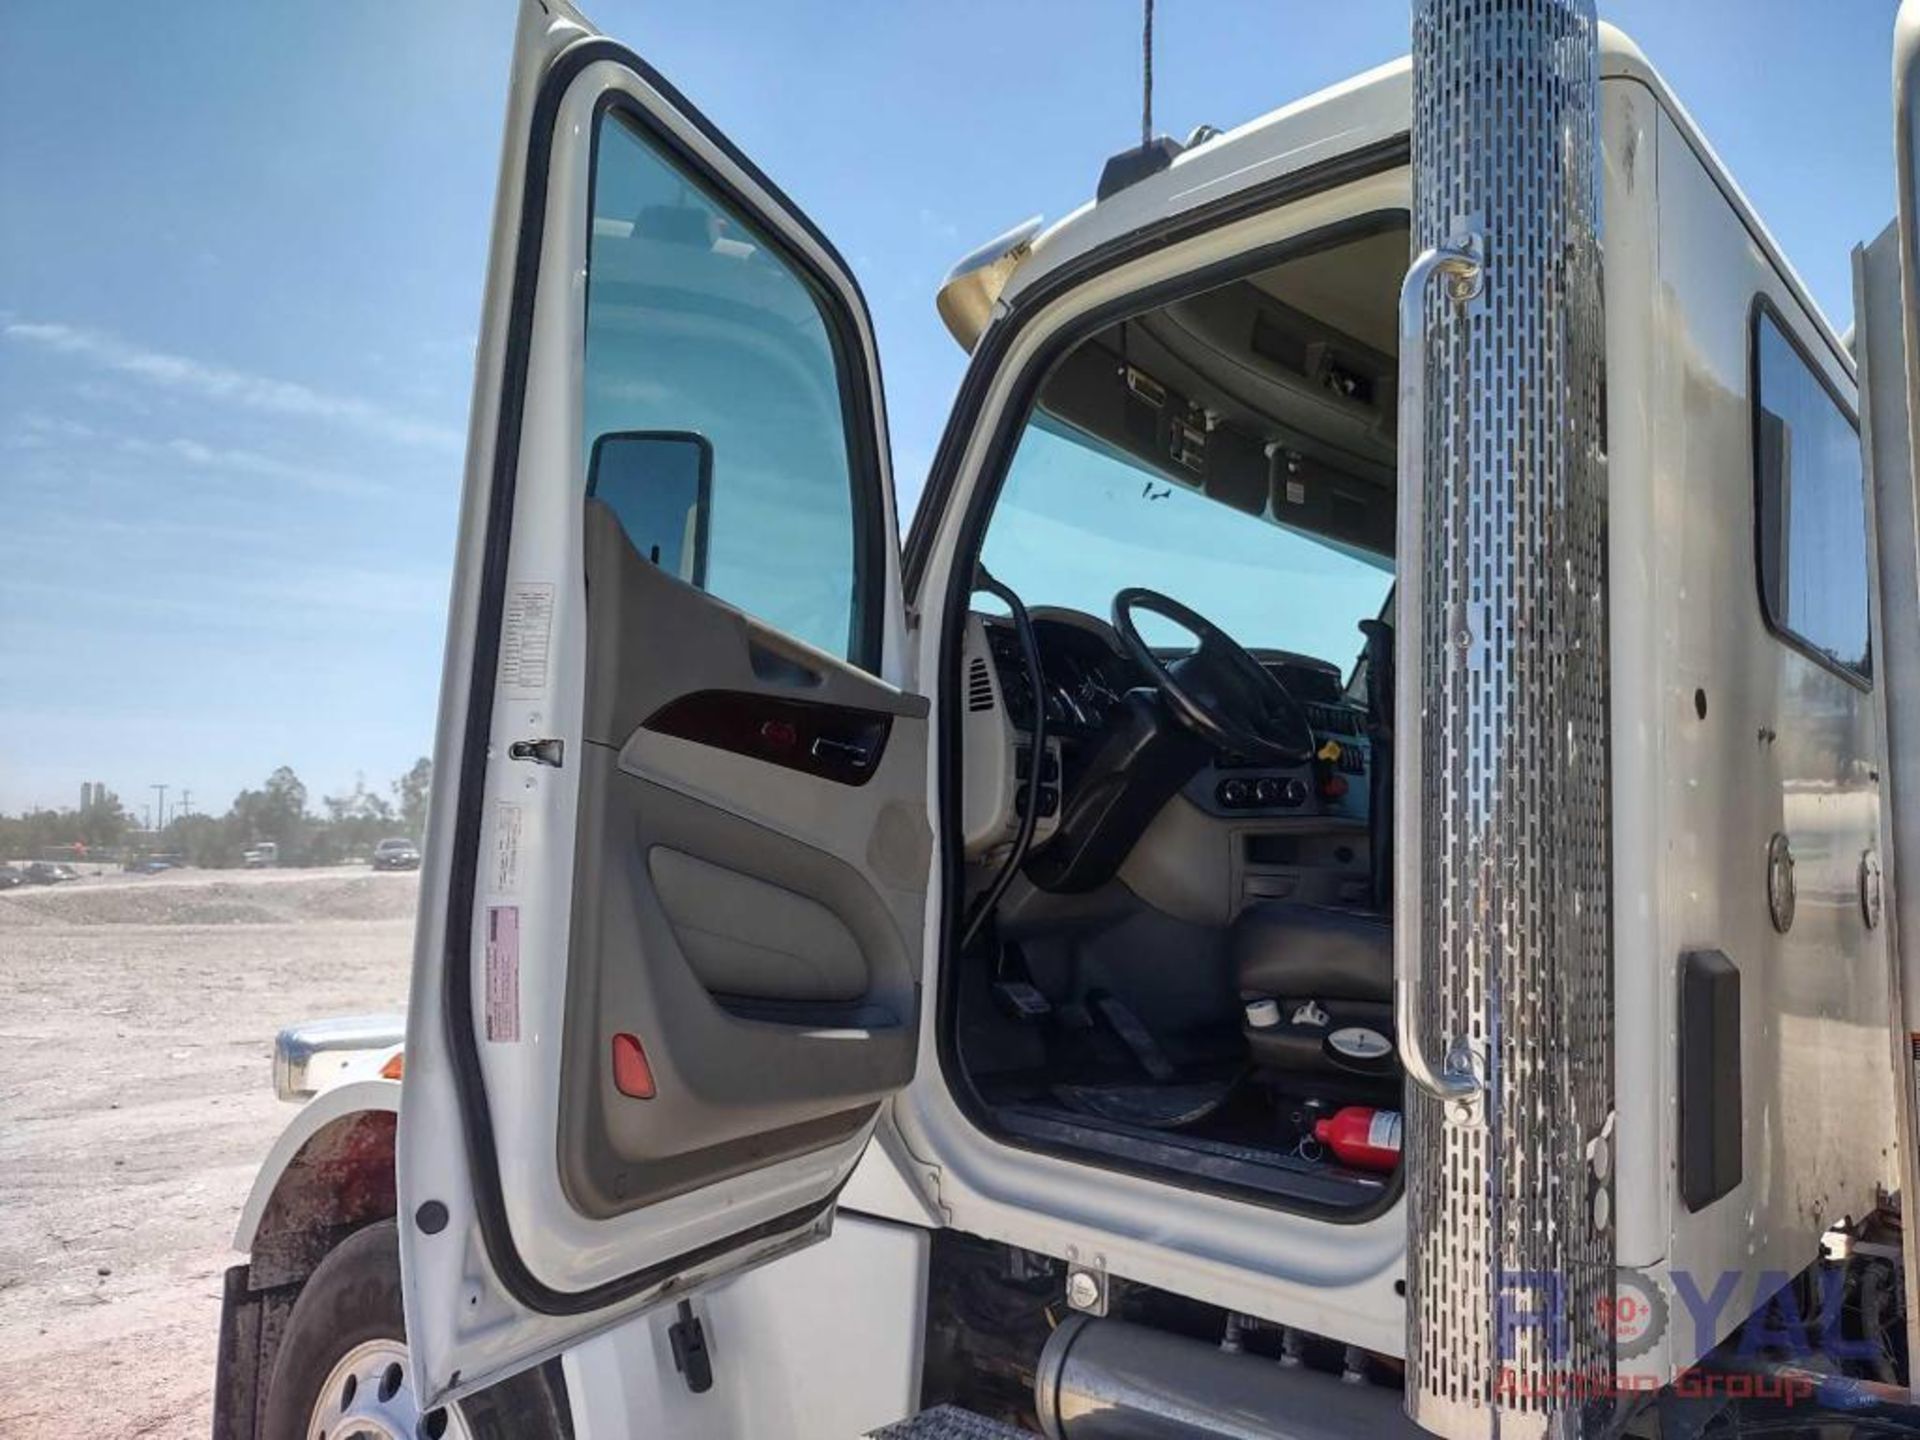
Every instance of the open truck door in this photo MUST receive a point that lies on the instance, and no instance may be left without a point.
(668, 964)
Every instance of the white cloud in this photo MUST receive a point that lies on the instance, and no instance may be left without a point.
(252, 463)
(234, 387)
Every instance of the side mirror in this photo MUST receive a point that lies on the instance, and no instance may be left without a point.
(659, 484)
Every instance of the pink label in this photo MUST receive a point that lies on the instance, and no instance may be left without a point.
(503, 972)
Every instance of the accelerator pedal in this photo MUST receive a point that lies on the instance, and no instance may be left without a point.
(1144, 1048)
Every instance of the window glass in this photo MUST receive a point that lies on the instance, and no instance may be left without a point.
(699, 330)
(1077, 522)
(1812, 505)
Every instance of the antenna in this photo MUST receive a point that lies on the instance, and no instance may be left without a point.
(1146, 76)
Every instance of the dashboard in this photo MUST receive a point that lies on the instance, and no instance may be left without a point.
(1084, 670)
(1086, 676)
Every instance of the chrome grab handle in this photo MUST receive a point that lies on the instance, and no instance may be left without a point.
(1458, 1081)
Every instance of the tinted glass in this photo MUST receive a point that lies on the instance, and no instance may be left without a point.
(696, 324)
(1077, 522)
(1812, 505)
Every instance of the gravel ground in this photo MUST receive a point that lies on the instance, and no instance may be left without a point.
(137, 1017)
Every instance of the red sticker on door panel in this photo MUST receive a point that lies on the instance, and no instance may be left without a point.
(503, 972)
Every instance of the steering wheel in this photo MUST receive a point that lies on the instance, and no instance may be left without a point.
(1220, 692)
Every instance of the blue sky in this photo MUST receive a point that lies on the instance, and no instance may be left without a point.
(241, 250)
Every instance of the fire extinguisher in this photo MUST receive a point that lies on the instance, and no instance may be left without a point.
(1361, 1136)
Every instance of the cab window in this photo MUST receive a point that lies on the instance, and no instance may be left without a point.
(717, 425)
(1811, 506)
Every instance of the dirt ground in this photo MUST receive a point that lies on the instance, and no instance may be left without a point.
(137, 1017)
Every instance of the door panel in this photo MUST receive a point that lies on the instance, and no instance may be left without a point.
(780, 986)
(668, 961)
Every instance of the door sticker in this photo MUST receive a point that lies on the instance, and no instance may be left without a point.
(508, 819)
(503, 972)
(526, 637)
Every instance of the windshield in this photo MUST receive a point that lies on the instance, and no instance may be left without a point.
(1077, 522)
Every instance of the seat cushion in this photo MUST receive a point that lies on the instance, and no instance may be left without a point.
(1283, 947)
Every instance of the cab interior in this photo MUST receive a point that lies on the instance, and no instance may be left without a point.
(1174, 700)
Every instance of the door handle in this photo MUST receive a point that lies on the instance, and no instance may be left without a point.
(846, 751)
(1458, 1082)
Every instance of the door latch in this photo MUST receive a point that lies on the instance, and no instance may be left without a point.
(690, 1354)
(540, 752)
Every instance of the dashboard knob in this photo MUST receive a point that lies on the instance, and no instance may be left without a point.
(1293, 791)
(1267, 791)
(1235, 792)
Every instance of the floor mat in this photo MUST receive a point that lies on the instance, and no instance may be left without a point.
(1156, 1106)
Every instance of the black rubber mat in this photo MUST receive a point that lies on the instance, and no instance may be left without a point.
(1158, 1107)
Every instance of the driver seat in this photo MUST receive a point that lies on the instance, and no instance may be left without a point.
(1331, 973)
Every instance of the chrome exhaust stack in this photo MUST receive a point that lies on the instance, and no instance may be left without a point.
(1502, 868)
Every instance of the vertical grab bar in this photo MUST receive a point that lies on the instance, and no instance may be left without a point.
(1456, 1083)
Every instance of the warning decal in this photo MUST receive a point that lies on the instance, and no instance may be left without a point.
(526, 637)
(508, 818)
(503, 972)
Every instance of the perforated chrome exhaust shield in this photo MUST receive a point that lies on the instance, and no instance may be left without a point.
(1502, 874)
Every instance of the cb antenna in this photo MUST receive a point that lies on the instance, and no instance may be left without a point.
(1146, 75)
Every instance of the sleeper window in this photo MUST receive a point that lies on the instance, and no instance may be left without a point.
(716, 419)
(1811, 505)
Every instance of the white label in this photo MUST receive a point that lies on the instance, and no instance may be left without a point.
(1296, 492)
(508, 818)
(503, 972)
(1383, 1131)
(526, 637)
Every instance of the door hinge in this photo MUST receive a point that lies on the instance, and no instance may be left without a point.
(540, 752)
(690, 1355)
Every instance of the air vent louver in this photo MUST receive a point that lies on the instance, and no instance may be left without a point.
(979, 686)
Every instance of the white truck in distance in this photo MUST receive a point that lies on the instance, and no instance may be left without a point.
(1343, 880)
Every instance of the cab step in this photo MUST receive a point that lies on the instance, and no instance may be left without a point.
(949, 1422)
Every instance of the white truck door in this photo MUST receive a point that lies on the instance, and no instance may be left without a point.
(668, 960)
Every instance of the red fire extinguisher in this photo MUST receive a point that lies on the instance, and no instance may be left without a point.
(1361, 1136)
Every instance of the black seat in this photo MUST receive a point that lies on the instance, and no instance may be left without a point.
(1286, 948)
(1331, 972)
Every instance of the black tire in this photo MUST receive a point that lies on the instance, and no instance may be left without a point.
(353, 1296)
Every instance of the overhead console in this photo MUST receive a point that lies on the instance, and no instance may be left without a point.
(1295, 480)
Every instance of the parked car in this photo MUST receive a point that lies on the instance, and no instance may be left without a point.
(50, 872)
(263, 856)
(396, 854)
(11, 878)
(153, 864)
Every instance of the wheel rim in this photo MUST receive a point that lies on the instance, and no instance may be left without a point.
(368, 1395)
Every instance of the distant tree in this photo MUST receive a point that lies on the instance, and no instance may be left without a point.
(100, 825)
(104, 823)
(411, 791)
(353, 824)
(276, 812)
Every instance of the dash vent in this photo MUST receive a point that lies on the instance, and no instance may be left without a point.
(979, 686)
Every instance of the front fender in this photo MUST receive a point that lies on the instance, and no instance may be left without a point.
(328, 1109)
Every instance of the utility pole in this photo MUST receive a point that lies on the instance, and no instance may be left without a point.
(185, 807)
(161, 809)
